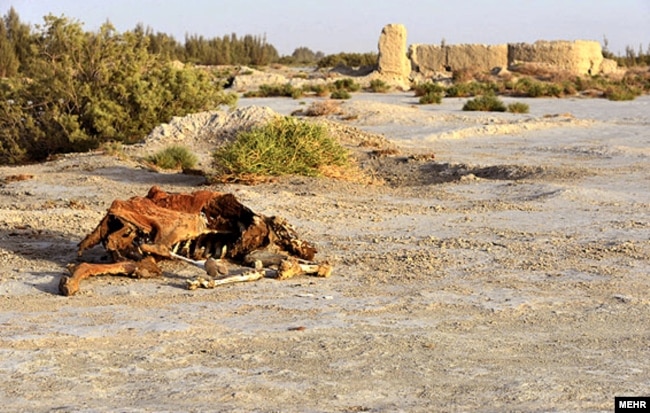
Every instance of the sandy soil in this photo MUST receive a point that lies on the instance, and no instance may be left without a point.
(510, 274)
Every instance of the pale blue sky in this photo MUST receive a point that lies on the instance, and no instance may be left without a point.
(334, 26)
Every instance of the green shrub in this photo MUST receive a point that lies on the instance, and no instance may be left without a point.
(486, 103)
(431, 97)
(297, 93)
(347, 84)
(459, 90)
(284, 146)
(530, 87)
(173, 157)
(340, 94)
(379, 86)
(518, 107)
(348, 59)
(88, 88)
(472, 89)
(568, 88)
(554, 90)
(275, 90)
(422, 89)
(318, 89)
(113, 148)
(621, 92)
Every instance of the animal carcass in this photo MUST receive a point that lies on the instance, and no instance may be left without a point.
(204, 227)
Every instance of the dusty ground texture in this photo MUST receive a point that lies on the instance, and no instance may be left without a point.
(508, 274)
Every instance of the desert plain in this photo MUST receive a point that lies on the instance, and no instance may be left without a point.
(499, 262)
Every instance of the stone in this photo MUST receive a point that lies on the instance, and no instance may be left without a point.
(393, 60)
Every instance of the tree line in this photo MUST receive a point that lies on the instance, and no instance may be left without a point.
(64, 89)
(17, 39)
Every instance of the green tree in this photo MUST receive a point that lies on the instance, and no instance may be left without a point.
(8, 60)
(19, 35)
(86, 88)
(304, 55)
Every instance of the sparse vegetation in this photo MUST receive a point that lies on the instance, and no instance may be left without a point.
(318, 89)
(347, 84)
(174, 157)
(323, 108)
(621, 92)
(113, 148)
(430, 98)
(518, 107)
(429, 93)
(422, 89)
(461, 90)
(378, 86)
(284, 146)
(485, 103)
(349, 59)
(275, 90)
(340, 94)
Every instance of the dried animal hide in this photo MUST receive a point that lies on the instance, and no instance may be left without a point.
(202, 225)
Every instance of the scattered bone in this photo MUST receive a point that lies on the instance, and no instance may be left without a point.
(213, 283)
(291, 267)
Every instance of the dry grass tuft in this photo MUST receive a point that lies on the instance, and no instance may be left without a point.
(324, 108)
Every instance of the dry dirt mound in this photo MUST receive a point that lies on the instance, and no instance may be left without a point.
(205, 131)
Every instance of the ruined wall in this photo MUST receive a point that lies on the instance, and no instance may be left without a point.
(430, 59)
(580, 57)
(393, 66)
(392, 51)
(427, 59)
(479, 56)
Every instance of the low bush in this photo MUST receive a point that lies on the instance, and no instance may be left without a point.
(275, 90)
(174, 157)
(430, 98)
(347, 84)
(378, 86)
(113, 148)
(429, 93)
(317, 89)
(459, 90)
(621, 92)
(422, 89)
(554, 90)
(323, 108)
(518, 107)
(340, 94)
(529, 87)
(473, 89)
(284, 146)
(486, 103)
